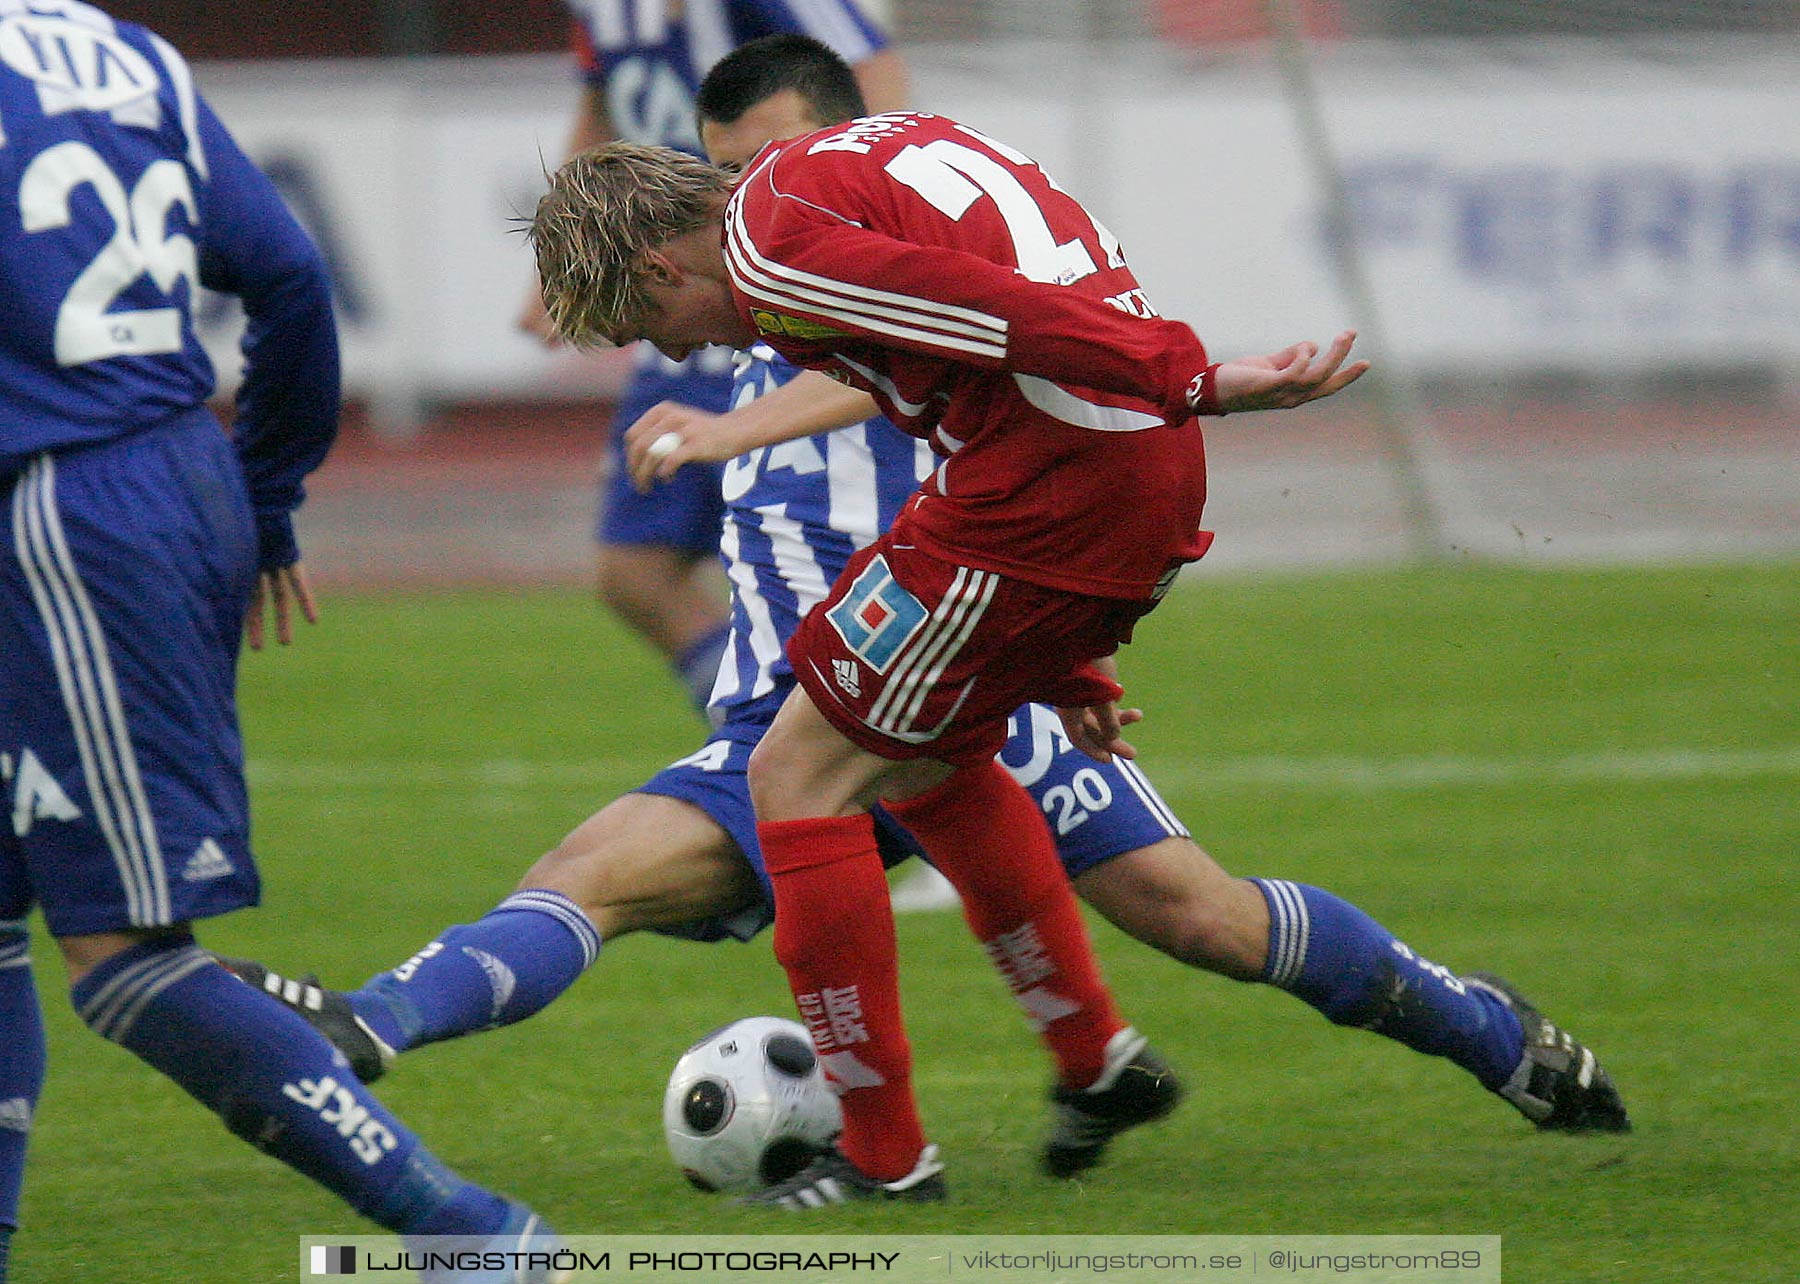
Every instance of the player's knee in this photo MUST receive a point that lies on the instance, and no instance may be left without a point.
(602, 893)
(1174, 898)
(82, 954)
(770, 775)
(615, 584)
(1212, 935)
(573, 869)
(640, 578)
(133, 960)
(1225, 928)
(609, 576)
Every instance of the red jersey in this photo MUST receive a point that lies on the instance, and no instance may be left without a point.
(990, 314)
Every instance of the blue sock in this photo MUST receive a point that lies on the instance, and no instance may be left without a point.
(21, 1069)
(500, 969)
(698, 665)
(276, 1083)
(1330, 954)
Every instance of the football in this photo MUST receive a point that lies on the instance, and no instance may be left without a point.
(748, 1106)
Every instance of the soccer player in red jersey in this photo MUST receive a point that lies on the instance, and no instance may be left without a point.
(944, 273)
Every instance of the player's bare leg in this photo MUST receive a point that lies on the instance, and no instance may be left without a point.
(673, 600)
(642, 862)
(645, 862)
(804, 767)
(1330, 954)
(669, 597)
(1174, 897)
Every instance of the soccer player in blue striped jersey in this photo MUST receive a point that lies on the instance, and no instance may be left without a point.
(679, 854)
(138, 543)
(641, 62)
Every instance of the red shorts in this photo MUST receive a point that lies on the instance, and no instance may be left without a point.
(913, 657)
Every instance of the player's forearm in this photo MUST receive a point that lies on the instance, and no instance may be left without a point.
(287, 406)
(289, 398)
(670, 434)
(591, 126)
(961, 307)
(1091, 344)
(809, 404)
(883, 81)
(1071, 337)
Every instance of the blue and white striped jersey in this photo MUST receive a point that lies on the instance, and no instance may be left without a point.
(120, 194)
(648, 57)
(794, 514)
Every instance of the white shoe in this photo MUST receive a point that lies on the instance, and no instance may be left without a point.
(923, 888)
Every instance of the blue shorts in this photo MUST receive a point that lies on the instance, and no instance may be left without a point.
(125, 571)
(1096, 811)
(686, 512)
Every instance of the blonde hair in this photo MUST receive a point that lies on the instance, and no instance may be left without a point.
(606, 209)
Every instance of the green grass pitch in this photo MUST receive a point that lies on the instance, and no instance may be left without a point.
(1588, 780)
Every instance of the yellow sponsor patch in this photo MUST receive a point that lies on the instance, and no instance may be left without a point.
(793, 327)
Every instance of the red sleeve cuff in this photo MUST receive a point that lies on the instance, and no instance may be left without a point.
(1203, 392)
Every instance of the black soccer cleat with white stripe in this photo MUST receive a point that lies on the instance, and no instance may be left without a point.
(1559, 1085)
(833, 1179)
(327, 1011)
(1136, 1087)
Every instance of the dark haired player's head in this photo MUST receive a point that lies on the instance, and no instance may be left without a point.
(772, 89)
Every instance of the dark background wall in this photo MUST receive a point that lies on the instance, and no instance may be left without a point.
(350, 28)
(399, 28)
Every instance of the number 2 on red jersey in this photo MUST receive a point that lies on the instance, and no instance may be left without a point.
(952, 176)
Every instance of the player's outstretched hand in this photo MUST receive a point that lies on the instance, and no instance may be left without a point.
(286, 587)
(1095, 729)
(669, 435)
(1297, 374)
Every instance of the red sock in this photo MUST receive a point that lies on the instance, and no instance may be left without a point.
(834, 933)
(989, 839)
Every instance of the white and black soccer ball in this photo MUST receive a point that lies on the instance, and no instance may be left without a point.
(748, 1106)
